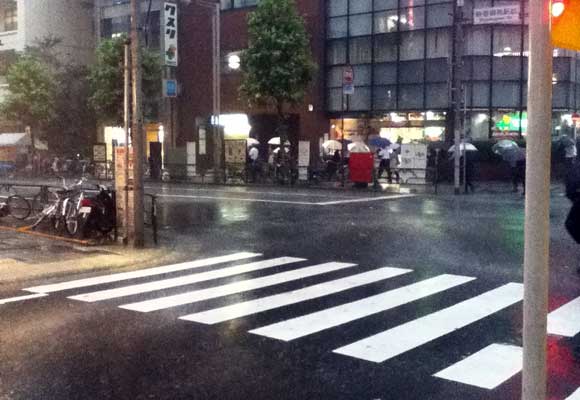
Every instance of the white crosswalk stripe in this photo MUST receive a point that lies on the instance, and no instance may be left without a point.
(22, 298)
(388, 344)
(123, 276)
(243, 309)
(233, 288)
(574, 396)
(565, 321)
(488, 368)
(335, 316)
(184, 280)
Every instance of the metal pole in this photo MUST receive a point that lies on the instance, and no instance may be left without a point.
(537, 225)
(456, 92)
(126, 122)
(138, 238)
(218, 79)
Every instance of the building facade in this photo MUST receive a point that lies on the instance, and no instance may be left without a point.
(401, 53)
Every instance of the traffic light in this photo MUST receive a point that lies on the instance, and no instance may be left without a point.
(566, 24)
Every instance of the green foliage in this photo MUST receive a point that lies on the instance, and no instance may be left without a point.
(106, 79)
(277, 66)
(31, 95)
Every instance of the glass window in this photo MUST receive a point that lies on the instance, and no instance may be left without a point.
(386, 21)
(481, 68)
(440, 15)
(334, 77)
(226, 4)
(479, 93)
(336, 52)
(507, 40)
(438, 42)
(477, 125)
(385, 74)
(360, 50)
(410, 97)
(437, 70)
(412, 45)
(337, 27)
(360, 100)
(478, 41)
(506, 94)
(436, 95)
(334, 99)
(361, 6)
(11, 19)
(506, 68)
(385, 98)
(560, 95)
(386, 4)
(336, 8)
(437, 1)
(412, 18)
(412, 3)
(561, 70)
(360, 25)
(385, 48)
(412, 72)
(362, 75)
(244, 3)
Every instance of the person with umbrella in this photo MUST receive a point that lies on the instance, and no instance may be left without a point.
(515, 156)
(467, 153)
(570, 151)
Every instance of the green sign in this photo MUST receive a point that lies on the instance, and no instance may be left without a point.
(512, 122)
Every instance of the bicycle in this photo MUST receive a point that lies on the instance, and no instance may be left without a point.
(16, 206)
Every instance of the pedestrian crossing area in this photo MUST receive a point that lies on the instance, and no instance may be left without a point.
(248, 284)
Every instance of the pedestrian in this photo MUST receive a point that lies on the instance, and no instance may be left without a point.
(384, 157)
(573, 193)
(332, 165)
(253, 158)
(570, 153)
(469, 171)
(393, 163)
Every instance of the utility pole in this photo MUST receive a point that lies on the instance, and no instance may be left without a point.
(126, 124)
(537, 225)
(137, 238)
(456, 92)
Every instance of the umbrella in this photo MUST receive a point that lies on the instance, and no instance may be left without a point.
(380, 142)
(277, 150)
(358, 147)
(275, 141)
(394, 146)
(463, 147)
(503, 146)
(252, 142)
(513, 155)
(332, 145)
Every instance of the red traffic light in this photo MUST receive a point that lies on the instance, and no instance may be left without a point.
(558, 8)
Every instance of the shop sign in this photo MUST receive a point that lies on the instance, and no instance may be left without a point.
(169, 88)
(512, 122)
(508, 14)
(100, 153)
(235, 151)
(170, 34)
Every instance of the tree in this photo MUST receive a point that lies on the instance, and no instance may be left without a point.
(277, 66)
(31, 96)
(106, 79)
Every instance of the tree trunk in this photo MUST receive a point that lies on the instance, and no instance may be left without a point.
(282, 130)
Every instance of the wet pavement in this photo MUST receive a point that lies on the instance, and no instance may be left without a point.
(55, 347)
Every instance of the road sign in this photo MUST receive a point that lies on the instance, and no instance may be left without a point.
(348, 75)
(508, 14)
(169, 88)
(348, 89)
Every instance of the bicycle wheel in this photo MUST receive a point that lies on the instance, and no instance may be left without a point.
(40, 201)
(18, 207)
(71, 218)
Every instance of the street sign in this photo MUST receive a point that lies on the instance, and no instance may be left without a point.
(348, 89)
(508, 14)
(169, 88)
(348, 75)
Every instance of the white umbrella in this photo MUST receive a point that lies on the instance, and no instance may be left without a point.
(275, 141)
(252, 142)
(504, 145)
(332, 145)
(463, 147)
(358, 147)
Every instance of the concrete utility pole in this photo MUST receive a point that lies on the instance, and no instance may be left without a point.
(138, 236)
(537, 226)
(126, 124)
(456, 92)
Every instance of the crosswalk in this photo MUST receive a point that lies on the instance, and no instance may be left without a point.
(239, 279)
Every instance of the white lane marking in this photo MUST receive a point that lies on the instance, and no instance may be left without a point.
(238, 310)
(365, 199)
(329, 318)
(565, 321)
(183, 280)
(183, 196)
(304, 203)
(398, 340)
(574, 396)
(233, 288)
(98, 280)
(284, 194)
(488, 368)
(22, 298)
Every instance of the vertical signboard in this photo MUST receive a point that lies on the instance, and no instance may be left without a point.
(170, 33)
(123, 189)
(303, 159)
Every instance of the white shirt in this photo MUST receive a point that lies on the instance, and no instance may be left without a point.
(385, 154)
(571, 151)
(253, 153)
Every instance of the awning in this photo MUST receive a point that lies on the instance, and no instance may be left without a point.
(20, 140)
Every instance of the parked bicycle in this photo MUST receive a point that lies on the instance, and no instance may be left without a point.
(16, 206)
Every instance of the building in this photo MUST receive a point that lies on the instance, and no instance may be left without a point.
(400, 51)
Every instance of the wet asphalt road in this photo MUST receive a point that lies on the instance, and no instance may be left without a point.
(57, 348)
